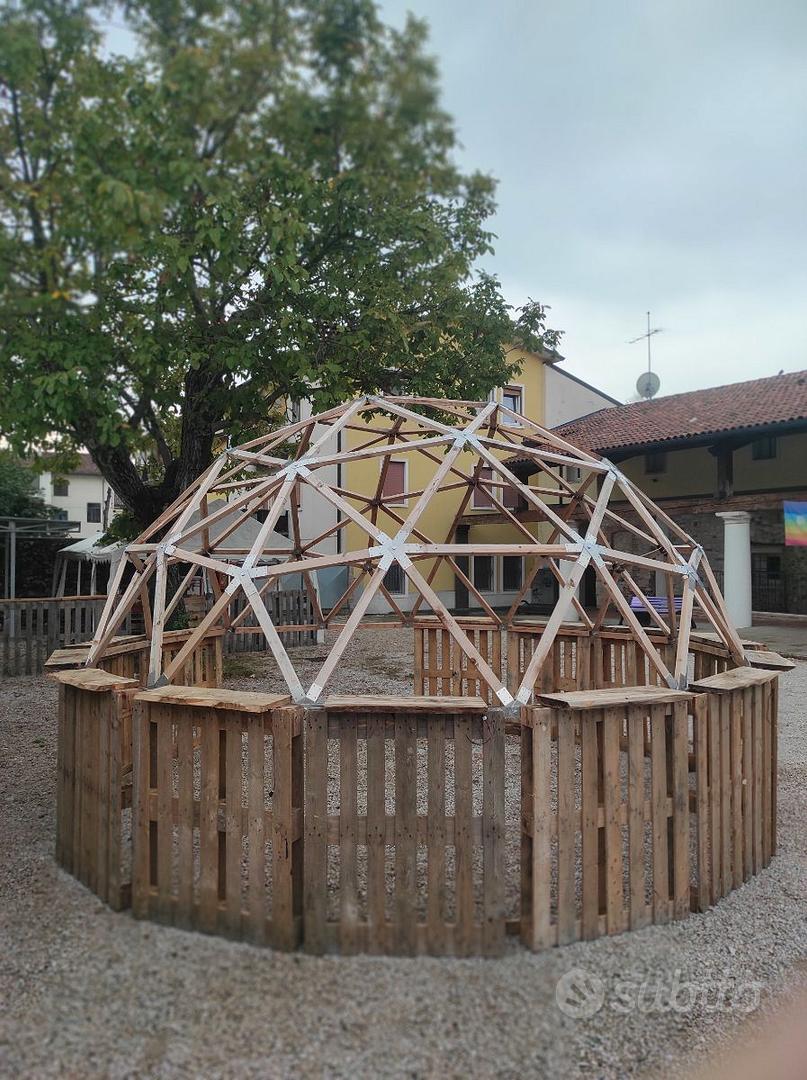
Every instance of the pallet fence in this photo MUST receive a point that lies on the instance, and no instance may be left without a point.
(388, 833)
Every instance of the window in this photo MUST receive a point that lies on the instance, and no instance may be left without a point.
(61, 515)
(512, 399)
(655, 462)
(394, 483)
(94, 512)
(573, 474)
(512, 573)
(763, 449)
(502, 491)
(395, 580)
(481, 498)
(483, 573)
(60, 488)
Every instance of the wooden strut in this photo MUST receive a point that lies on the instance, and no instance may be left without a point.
(477, 436)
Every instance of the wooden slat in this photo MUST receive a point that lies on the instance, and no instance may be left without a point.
(615, 905)
(567, 903)
(208, 823)
(185, 825)
(724, 682)
(165, 825)
(405, 834)
(661, 881)
(140, 811)
(493, 834)
(463, 836)
(316, 831)
(381, 703)
(680, 799)
(612, 696)
(348, 868)
(590, 826)
(93, 680)
(701, 748)
(211, 698)
(256, 829)
(232, 824)
(436, 839)
(376, 833)
(639, 915)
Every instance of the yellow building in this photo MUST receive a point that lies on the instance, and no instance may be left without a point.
(542, 392)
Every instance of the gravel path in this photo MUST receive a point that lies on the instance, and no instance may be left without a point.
(86, 992)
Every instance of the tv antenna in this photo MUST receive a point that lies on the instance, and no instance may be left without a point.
(648, 383)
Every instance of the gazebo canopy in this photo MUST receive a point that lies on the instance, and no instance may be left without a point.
(465, 447)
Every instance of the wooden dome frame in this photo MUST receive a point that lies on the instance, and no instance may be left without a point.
(459, 439)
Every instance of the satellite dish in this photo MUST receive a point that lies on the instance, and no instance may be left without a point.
(647, 384)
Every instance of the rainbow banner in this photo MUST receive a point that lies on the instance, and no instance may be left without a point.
(795, 524)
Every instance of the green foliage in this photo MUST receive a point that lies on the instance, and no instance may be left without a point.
(260, 204)
(19, 490)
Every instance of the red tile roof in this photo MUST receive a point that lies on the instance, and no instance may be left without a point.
(694, 415)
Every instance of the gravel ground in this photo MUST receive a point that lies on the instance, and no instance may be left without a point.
(87, 992)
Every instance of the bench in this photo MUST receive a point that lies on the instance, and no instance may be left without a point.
(659, 603)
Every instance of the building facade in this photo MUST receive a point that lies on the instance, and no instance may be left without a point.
(716, 460)
(82, 495)
(542, 392)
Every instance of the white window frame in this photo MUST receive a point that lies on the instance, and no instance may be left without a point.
(405, 463)
(520, 388)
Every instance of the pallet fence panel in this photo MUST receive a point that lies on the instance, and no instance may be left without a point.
(408, 910)
(219, 802)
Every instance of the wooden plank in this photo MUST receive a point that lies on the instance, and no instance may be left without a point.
(316, 832)
(739, 700)
(639, 915)
(284, 723)
(613, 696)
(232, 824)
(754, 702)
(567, 901)
(463, 836)
(376, 832)
(766, 774)
(256, 829)
(405, 923)
(724, 682)
(701, 744)
(93, 680)
(213, 698)
(348, 869)
(680, 800)
(715, 786)
(436, 839)
(493, 834)
(383, 703)
(162, 717)
(141, 885)
(615, 903)
(185, 824)
(658, 751)
(208, 822)
(725, 791)
(770, 661)
(590, 825)
(736, 782)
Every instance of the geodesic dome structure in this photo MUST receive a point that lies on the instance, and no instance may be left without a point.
(567, 506)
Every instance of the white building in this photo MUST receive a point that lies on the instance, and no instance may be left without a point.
(82, 495)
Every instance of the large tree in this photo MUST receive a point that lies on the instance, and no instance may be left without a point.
(258, 202)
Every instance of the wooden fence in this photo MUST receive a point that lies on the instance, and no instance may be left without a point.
(637, 806)
(441, 667)
(404, 775)
(217, 823)
(288, 608)
(93, 781)
(31, 629)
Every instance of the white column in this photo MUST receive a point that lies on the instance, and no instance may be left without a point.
(737, 565)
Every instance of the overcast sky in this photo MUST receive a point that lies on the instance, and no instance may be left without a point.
(650, 154)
